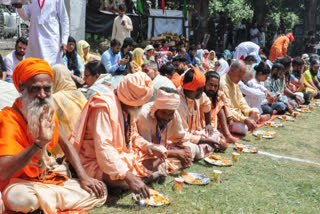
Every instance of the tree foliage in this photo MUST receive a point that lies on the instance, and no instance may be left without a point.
(235, 9)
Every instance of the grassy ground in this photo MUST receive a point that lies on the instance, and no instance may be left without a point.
(257, 184)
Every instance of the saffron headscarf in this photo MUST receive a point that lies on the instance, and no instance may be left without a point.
(290, 36)
(28, 68)
(165, 100)
(198, 81)
(135, 89)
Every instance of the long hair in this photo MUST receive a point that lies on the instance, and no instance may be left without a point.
(72, 58)
(209, 75)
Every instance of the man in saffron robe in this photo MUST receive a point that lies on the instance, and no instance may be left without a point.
(159, 122)
(26, 129)
(195, 111)
(107, 140)
(280, 47)
(221, 116)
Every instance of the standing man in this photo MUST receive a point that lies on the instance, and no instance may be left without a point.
(14, 58)
(280, 46)
(46, 18)
(122, 25)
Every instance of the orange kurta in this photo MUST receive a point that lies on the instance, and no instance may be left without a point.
(279, 48)
(176, 79)
(14, 138)
(221, 103)
(99, 138)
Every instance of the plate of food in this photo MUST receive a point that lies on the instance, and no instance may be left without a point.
(246, 148)
(156, 199)
(195, 178)
(217, 160)
(265, 134)
(274, 124)
(288, 118)
(305, 110)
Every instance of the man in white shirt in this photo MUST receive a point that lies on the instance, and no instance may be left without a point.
(122, 25)
(150, 67)
(254, 34)
(46, 18)
(14, 58)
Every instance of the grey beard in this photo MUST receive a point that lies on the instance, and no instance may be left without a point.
(32, 109)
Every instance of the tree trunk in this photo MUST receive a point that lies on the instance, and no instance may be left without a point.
(202, 7)
(259, 11)
(310, 15)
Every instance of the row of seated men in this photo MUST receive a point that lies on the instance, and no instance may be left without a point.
(117, 139)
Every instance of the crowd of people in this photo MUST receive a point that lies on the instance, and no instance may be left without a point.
(76, 125)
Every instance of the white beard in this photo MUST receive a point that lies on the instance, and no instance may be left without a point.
(134, 111)
(32, 109)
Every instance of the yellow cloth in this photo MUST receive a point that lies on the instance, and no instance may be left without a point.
(89, 57)
(68, 102)
(239, 108)
(137, 60)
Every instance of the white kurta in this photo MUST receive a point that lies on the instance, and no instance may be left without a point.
(44, 33)
(119, 31)
(246, 48)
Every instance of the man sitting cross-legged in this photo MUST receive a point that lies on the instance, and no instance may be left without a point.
(25, 130)
(107, 140)
(160, 123)
(244, 117)
(221, 116)
(195, 111)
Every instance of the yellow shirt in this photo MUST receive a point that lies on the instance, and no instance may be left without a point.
(239, 108)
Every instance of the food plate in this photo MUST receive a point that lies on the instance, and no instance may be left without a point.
(195, 178)
(217, 160)
(288, 118)
(265, 134)
(156, 199)
(305, 110)
(275, 124)
(246, 148)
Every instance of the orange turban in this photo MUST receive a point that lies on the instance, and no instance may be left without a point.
(135, 89)
(166, 100)
(198, 81)
(28, 68)
(290, 36)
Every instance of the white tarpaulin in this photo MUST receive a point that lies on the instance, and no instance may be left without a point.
(172, 21)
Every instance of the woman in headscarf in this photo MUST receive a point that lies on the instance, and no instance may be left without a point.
(73, 62)
(199, 59)
(221, 67)
(205, 63)
(83, 48)
(137, 60)
(68, 101)
(212, 60)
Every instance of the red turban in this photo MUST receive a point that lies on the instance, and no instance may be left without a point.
(28, 68)
(290, 36)
(135, 89)
(198, 81)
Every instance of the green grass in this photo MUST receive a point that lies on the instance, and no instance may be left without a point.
(257, 184)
